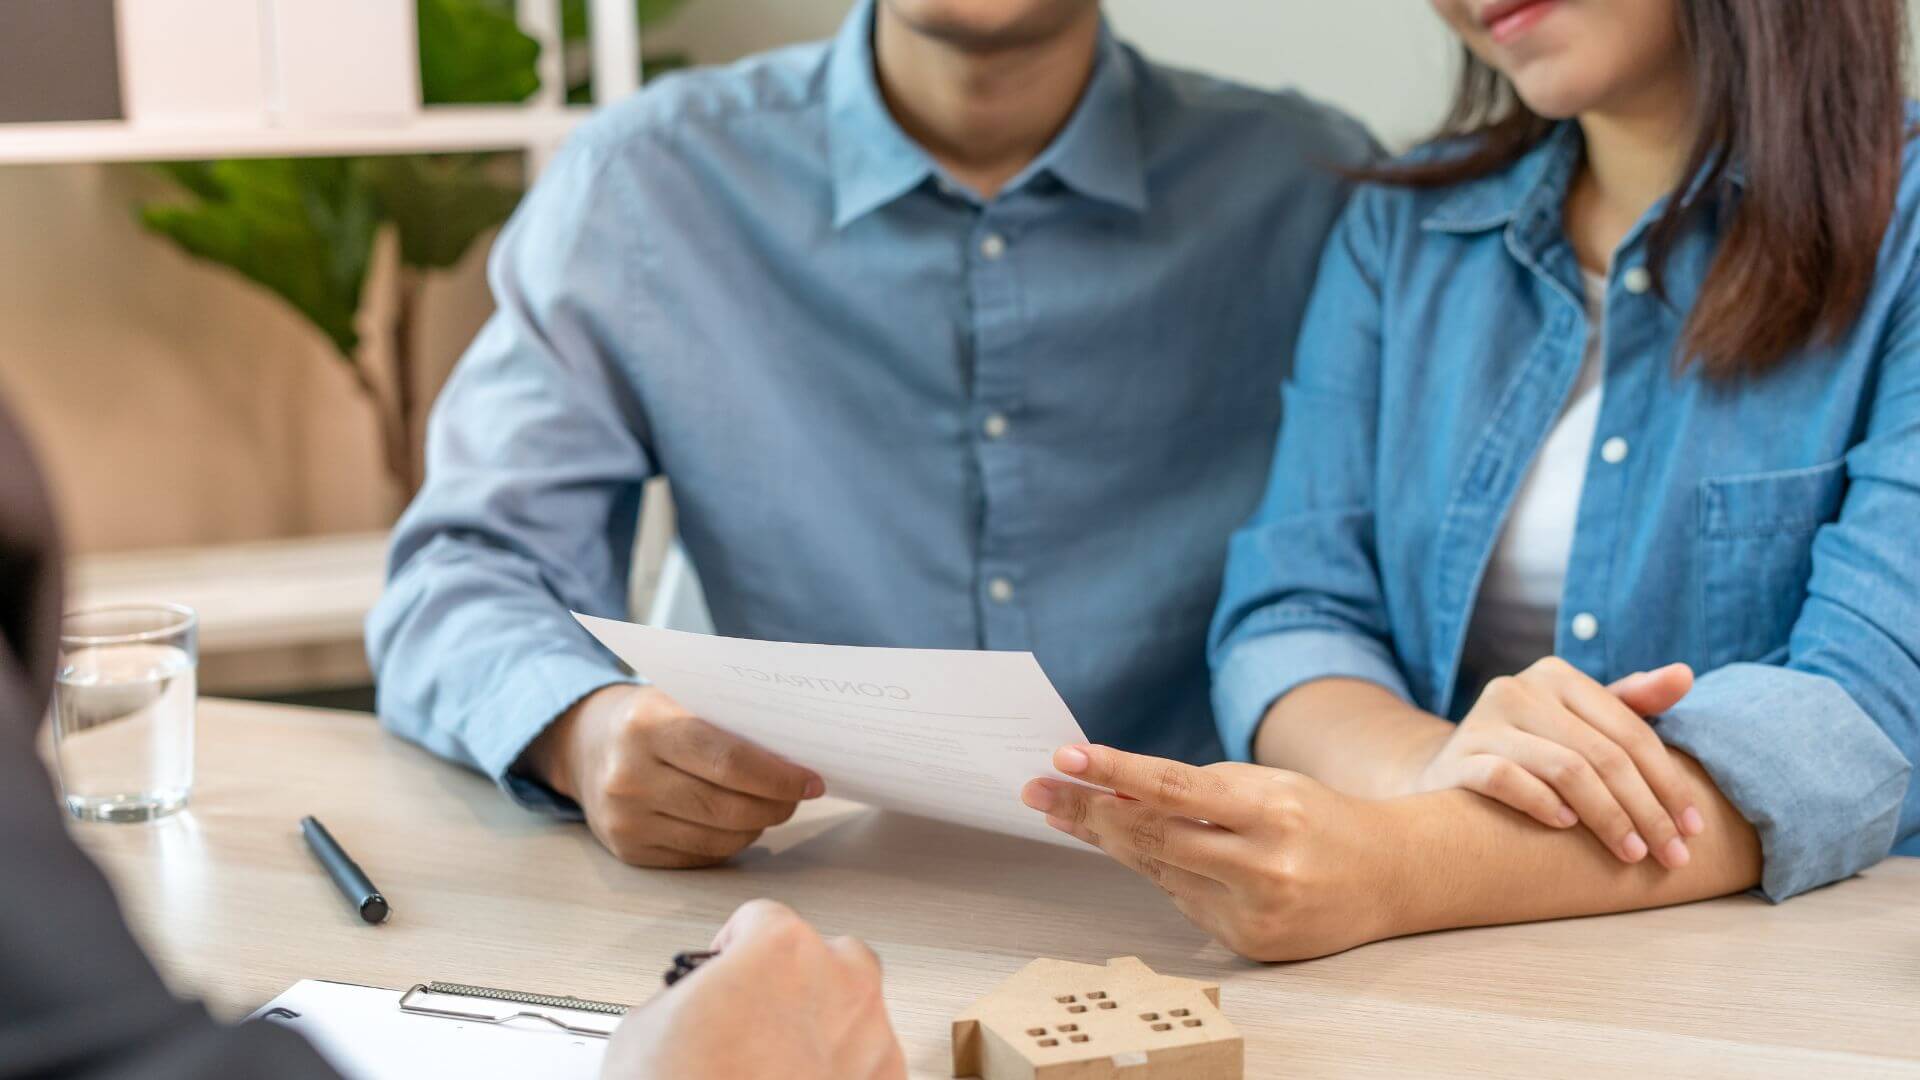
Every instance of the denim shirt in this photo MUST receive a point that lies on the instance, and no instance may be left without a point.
(893, 413)
(1765, 529)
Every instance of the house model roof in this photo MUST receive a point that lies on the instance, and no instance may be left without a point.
(1058, 1020)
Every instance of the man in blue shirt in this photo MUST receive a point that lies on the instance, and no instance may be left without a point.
(963, 330)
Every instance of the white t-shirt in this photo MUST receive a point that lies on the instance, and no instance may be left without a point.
(1519, 605)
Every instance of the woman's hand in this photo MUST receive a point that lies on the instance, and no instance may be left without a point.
(778, 1001)
(1273, 864)
(1559, 747)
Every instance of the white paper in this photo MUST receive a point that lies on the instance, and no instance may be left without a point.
(945, 734)
(362, 1033)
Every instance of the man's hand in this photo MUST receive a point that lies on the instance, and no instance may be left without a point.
(661, 787)
(1557, 746)
(777, 1002)
(1274, 865)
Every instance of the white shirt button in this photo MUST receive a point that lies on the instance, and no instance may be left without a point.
(1000, 589)
(995, 425)
(1613, 451)
(1585, 626)
(992, 246)
(1637, 280)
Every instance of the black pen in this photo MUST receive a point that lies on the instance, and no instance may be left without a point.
(347, 877)
(686, 963)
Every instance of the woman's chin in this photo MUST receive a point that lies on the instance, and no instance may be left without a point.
(1555, 95)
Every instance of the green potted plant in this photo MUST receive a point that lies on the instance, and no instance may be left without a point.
(306, 229)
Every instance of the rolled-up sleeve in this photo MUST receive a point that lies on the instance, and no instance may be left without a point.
(1819, 781)
(1263, 668)
(1302, 600)
(1818, 752)
(536, 458)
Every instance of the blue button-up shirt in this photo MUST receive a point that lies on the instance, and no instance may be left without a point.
(892, 413)
(1762, 529)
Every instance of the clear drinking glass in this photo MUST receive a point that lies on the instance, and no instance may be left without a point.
(123, 711)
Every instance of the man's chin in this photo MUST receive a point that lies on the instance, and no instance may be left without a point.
(973, 26)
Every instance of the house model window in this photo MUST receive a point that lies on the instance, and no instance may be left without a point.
(1057, 1020)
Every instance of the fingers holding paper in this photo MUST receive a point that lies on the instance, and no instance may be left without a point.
(1187, 859)
(659, 786)
(1271, 863)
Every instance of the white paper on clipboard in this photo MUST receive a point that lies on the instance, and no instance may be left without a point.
(365, 1035)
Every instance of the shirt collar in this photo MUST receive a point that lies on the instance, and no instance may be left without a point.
(874, 162)
(1535, 187)
(1535, 184)
(1098, 153)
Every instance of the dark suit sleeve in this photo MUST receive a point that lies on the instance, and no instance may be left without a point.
(77, 996)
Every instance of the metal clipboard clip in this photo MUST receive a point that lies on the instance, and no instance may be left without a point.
(521, 1006)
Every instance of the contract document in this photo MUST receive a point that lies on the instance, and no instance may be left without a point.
(945, 734)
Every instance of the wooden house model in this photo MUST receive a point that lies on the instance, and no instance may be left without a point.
(1057, 1020)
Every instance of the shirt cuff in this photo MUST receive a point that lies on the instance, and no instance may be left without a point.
(544, 688)
(1804, 764)
(1258, 671)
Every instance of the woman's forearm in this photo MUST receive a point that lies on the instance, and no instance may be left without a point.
(1461, 858)
(1474, 862)
(1287, 868)
(1353, 736)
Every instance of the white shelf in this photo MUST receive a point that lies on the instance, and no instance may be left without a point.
(437, 129)
(311, 591)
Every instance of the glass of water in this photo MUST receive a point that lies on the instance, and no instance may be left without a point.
(123, 711)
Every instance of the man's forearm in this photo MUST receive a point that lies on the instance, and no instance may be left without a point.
(1350, 735)
(1473, 862)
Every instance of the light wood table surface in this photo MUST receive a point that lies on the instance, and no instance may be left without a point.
(236, 910)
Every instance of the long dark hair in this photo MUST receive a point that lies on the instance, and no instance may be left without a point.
(1808, 98)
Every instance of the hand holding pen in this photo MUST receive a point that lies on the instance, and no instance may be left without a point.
(817, 1008)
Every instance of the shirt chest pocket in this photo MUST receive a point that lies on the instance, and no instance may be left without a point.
(1756, 554)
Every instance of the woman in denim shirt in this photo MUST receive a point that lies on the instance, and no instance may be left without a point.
(1617, 383)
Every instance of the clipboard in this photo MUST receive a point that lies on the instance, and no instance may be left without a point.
(443, 1028)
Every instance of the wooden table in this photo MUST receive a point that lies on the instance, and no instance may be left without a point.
(229, 900)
